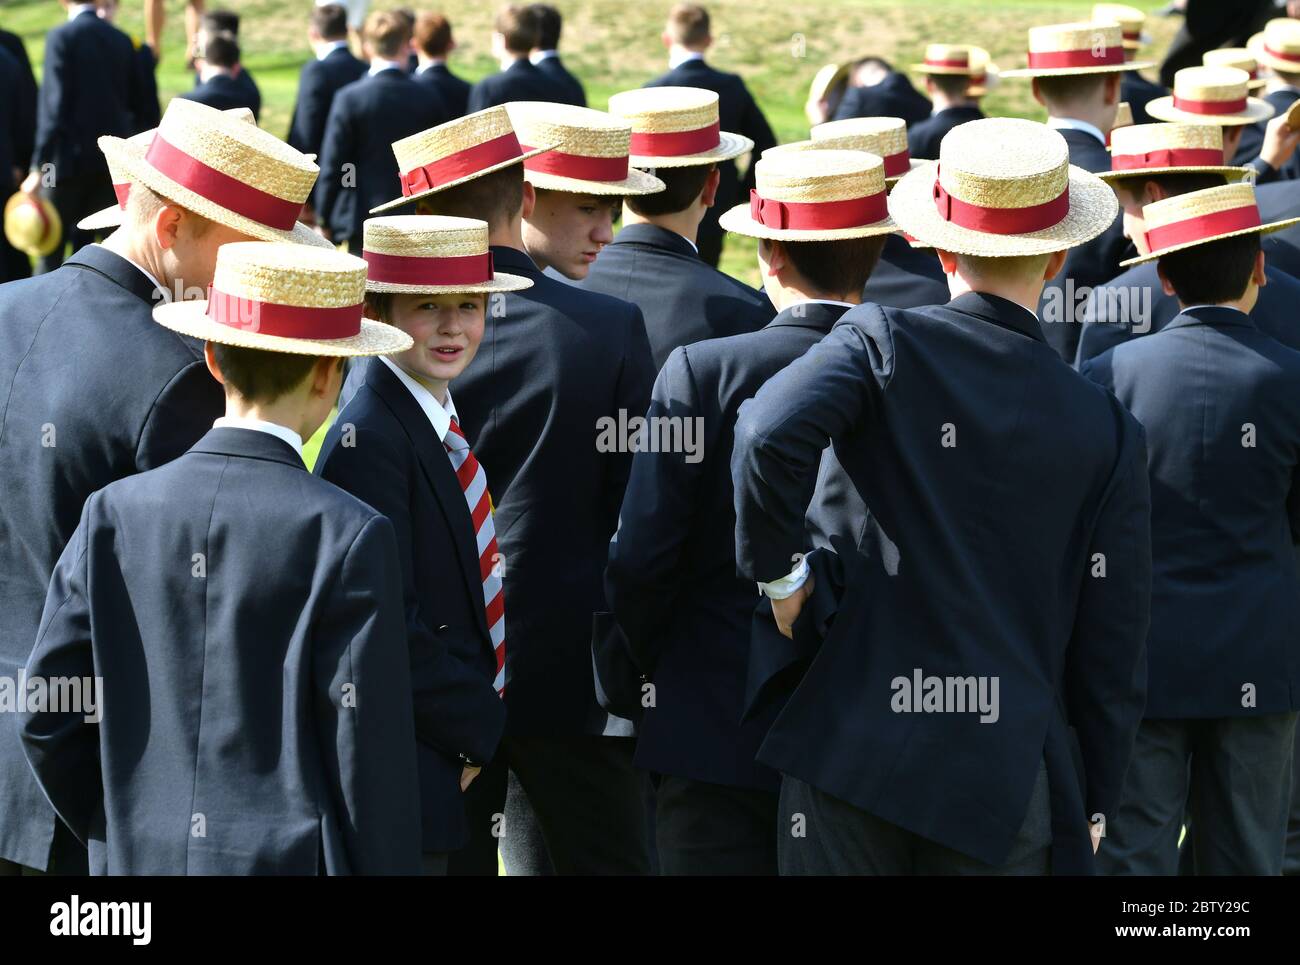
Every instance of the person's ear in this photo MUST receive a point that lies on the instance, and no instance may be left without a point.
(1151, 191)
(1112, 88)
(1259, 276)
(210, 358)
(1038, 92)
(530, 200)
(167, 226)
(929, 84)
(1165, 286)
(710, 193)
(1055, 262)
(323, 374)
(947, 260)
(667, 40)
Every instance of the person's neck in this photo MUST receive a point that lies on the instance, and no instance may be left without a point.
(685, 223)
(677, 53)
(1098, 115)
(943, 102)
(509, 59)
(290, 411)
(1024, 291)
(130, 246)
(508, 235)
(382, 62)
(208, 71)
(425, 60)
(437, 387)
(1243, 304)
(785, 295)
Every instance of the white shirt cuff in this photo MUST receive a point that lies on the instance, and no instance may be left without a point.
(786, 585)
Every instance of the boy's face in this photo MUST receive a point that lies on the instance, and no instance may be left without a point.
(566, 231)
(446, 329)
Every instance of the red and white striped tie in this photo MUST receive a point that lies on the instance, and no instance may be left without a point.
(473, 481)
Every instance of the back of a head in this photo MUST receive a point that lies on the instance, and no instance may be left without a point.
(220, 21)
(387, 33)
(681, 187)
(1172, 184)
(831, 268)
(496, 198)
(549, 24)
(1072, 92)
(952, 86)
(1214, 273)
(688, 26)
(330, 21)
(221, 50)
(257, 375)
(433, 34)
(518, 28)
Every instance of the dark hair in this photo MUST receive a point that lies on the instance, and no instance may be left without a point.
(494, 198)
(379, 306)
(330, 21)
(219, 21)
(1071, 88)
(951, 85)
(681, 187)
(518, 28)
(1173, 184)
(688, 24)
(261, 376)
(433, 34)
(221, 50)
(835, 267)
(549, 23)
(1212, 273)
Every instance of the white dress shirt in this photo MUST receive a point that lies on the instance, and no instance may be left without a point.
(537, 56)
(440, 414)
(678, 57)
(329, 47)
(79, 8)
(377, 65)
(283, 433)
(1074, 124)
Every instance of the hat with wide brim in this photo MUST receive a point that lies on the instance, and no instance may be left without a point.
(1151, 150)
(814, 196)
(591, 153)
(1205, 87)
(1011, 167)
(1131, 20)
(883, 136)
(989, 74)
(456, 152)
(1239, 57)
(951, 60)
(1182, 209)
(675, 127)
(843, 143)
(32, 225)
(434, 255)
(284, 297)
(1065, 49)
(1278, 45)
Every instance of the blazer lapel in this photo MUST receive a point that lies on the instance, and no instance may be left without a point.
(116, 269)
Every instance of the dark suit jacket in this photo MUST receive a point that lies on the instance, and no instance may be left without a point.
(1137, 91)
(319, 81)
(147, 111)
(1225, 514)
(555, 361)
(521, 81)
(453, 91)
(246, 622)
(367, 116)
(396, 463)
(23, 100)
(91, 390)
(1252, 138)
(906, 277)
(1111, 310)
(553, 67)
(1278, 201)
(89, 89)
(1087, 265)
(923, 137)
(998, 473)
(672, 582)
(892, 97)
(224, 93)
(683, 299)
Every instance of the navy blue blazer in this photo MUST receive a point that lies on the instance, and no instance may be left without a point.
(892, 97)
(1225, 600)
(521, 81)
(1252, 137)
(554, 68)
(555, 361)
(453, 91)
(999, 474)
(1107, 318)
(318, 82)
(23, 101)
(246, 621)
(683, 299)
(367, 116)
(91, 390)
(223, 92)
(672, 582)
(1278, 201)
(906, 277)
(148, 111)
(88, 89)
(395, 463)
(1138, 92)
(924, 137)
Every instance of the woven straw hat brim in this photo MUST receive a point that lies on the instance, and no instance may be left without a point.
(501, 282)
(129, 157)
(1264, 229)
(1066, 71)
(189, 318)
(730, 146)
(953, 71)
(1265, 59)
(1093, 208)
(1229, 172)
(110, 217)
(738, 221)
(1162, 108)
(398, 202)
(636, 182)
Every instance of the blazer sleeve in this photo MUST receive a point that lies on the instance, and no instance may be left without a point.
(307, 127)
(456, 709)
(636, 380)
(63, 747)
(336, 149)
(362, 692)
(781, 432)
(644, 573)
(480, 98)
(179, 417)
(52, 103)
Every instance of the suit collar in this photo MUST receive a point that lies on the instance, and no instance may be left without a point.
(654, 236)
(1001, 312)
(963, 110)
(248, 444)
(815, 315)
(120, 271)
(522, 65)
(1218, 316)
(512, 260)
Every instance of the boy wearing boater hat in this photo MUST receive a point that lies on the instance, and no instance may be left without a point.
(93, 391)
(240, 621)
(948, 70)
(398, 446)
(821, 219)
(1220, 401)
(557, 363)
(931, 732)
(1278, 51)
(654, 260)
(1134, 89)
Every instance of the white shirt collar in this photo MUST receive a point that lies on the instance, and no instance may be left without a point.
(820, 301)
(678, 57)
(439, 415)
(378, 65)
(166, 295)
(283, 433)
(1073, 124)
(79, 8)
(537, 56)
(330, 46)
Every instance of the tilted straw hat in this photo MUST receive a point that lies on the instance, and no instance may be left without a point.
(1131, 20)
(432, 254)
(285, 298)
(591, 150)
(112, 216)
(949, 59)
(224, 169)
(1063, 49)
(814, 196)
(830, 81)
(32, 224)
(1239, 57)
(886, 137)
(1144, 150)
(675, 127)
(1279, 48)
(450, 154)
(1198, 217)
(986, 74)
(1211, 95)
(1003, 187)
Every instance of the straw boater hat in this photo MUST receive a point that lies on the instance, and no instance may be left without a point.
(285, 298)
(432, 254)
(814, 196)
(829, 82)
(591, 150)
(1211, 95)
(1063, 49)
(1198, 217)
(1131, 20)
(986, 74)
(1279, 47)
(885, 137)
(458, 151)
(1239, 57)
(953, 59)
(223, 169)
(32, 224)
(1146, 150)
(1003, 187)
(112, 216)
(676, 127)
